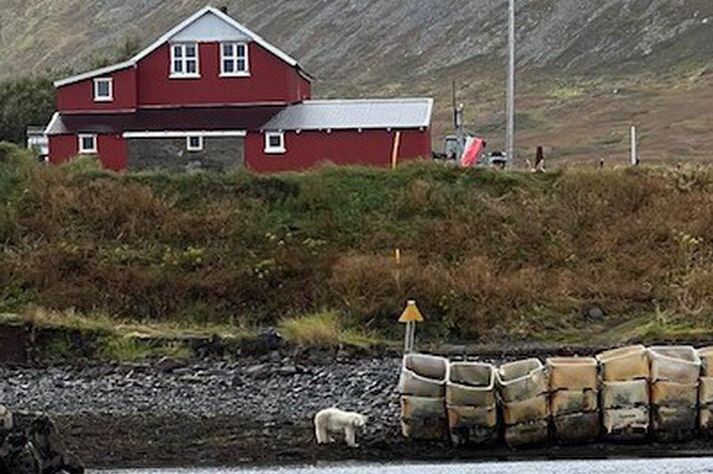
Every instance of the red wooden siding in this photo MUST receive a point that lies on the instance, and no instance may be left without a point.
(79, 97)
(271, 80)
(342, 147)
(111, 150)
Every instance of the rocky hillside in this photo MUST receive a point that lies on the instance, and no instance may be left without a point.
(383, 47)
(373, 40)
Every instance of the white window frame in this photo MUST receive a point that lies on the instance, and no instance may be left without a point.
(190, 147)
(110, 82)
(234, 58)
(87, 151)
(184, 61)
(275, 150)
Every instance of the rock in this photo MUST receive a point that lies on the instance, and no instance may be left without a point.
(18, 456)
(593, 314)
(288, 370)
(258, 371)
(265, 343)
(6, 419)
(54, 455)
(36, 448)
(168, 364)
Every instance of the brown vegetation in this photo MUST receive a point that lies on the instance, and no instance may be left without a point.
(488, 255)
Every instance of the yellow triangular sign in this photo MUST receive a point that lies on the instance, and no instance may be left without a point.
(411, 314)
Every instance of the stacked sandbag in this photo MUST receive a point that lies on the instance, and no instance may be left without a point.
(705, 391)
(674, 391)
(422, 386)
(624, 393)
(471, 403)
(574, 398)
(523, 388)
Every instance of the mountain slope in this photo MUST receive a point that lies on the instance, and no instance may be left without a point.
(407, 47)
(365, 40)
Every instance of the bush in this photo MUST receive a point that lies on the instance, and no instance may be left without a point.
(24, 102)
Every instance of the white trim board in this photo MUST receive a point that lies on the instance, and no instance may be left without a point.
(175, 31)
(186, 134)
(53, 120)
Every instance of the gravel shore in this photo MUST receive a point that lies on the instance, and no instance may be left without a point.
(255, 411)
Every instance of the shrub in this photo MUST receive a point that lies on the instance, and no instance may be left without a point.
(23, 102)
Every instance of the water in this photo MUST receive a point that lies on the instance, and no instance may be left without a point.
(651, 466)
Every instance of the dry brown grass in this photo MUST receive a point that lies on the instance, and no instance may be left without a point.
(487, 255)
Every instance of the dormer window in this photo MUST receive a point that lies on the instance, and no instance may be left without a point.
(184, 60)
(103, 89)
(234, 60)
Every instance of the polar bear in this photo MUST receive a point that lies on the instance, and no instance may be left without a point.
(334, 420)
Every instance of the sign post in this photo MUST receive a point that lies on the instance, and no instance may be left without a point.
(410, 317)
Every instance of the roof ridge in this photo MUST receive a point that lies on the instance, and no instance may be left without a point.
(368, 100)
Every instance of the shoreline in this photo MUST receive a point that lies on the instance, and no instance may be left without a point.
(255, 412)
(212, 443)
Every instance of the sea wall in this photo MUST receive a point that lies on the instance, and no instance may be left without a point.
(659, 393)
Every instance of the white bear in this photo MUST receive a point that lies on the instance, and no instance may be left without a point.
(334, 420)
(6, 421)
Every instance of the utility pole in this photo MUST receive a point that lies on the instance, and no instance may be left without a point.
(458, 123)
(510, 133)
(634, 147)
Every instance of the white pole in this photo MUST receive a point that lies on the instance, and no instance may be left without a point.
(510, 133)
(408, 347)
(634, 151)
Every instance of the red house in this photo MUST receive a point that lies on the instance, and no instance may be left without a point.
(212, 94)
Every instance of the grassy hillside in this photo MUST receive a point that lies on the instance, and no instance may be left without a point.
(489, 256)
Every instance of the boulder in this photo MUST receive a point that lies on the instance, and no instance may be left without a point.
(6, 419)
(34, 446)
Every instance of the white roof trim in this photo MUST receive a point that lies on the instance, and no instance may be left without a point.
(49, 126)
(94, 73)
(174, 31)
(420, 100)
(184, 134)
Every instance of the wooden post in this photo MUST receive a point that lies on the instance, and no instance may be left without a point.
(395, 151)
(634, 147)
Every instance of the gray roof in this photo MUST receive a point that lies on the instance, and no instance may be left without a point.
(353, 114)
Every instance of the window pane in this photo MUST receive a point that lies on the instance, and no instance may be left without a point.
(87, 143)
(275, 141)
(241, 65)
(228, 50)
(241, 50)
(191, 66)
(178, 66)
(178, 51)
(102, 88)
(228, 66)
(191, 51)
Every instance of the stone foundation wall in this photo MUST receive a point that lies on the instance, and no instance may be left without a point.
(219, 153)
